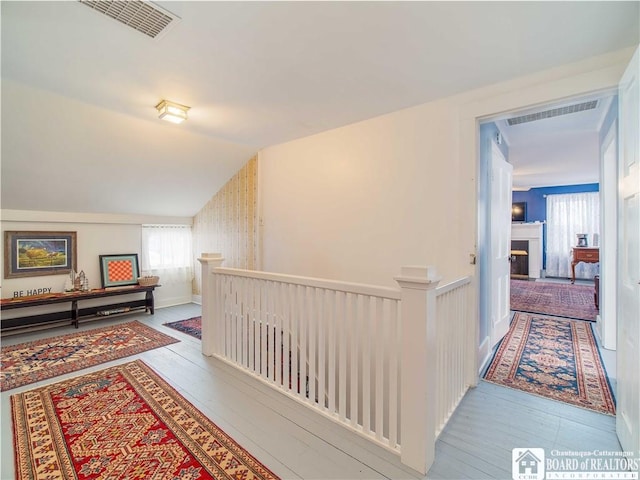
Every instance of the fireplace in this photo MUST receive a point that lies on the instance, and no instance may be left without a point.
(531, 233)
(520, 258)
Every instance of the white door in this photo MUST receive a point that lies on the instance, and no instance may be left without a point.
(500, 245)
(628, 356)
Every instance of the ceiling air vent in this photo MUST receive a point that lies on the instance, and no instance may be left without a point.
(554, 112)
(144, 17)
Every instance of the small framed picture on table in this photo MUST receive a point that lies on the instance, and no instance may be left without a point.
(119, 270)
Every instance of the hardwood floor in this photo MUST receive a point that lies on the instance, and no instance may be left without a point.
(476, 444)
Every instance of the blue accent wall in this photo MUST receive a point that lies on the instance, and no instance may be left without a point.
(537, 205)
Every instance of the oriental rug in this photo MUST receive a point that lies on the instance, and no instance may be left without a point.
(190, 326)
(555, 358)
(124, 422)
(557, 299)
(31, 362)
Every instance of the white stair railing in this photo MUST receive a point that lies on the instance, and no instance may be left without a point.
(373, 359)
(454, 347)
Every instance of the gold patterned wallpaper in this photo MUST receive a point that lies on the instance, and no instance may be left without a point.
(228, 224)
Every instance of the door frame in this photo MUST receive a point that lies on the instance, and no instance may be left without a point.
(578, 80)
(606, 322)
(628, 278)
(606, 319)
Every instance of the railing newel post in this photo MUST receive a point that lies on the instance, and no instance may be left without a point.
(418, 374)
(210, 302)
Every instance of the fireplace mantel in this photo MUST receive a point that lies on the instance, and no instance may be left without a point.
(533, 233)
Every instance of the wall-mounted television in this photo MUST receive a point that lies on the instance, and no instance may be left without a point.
(519, 212)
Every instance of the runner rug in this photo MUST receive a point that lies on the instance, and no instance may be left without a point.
(557, 299)
(555, 358)
(123, 422)
(190, 326)
(31, 362)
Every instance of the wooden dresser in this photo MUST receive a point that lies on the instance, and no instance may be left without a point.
(583, 254)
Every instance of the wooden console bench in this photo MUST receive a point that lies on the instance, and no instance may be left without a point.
(74, 313)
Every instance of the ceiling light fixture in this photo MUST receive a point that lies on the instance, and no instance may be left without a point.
(172, 112)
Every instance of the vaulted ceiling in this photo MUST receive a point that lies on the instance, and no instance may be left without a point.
(80, 132)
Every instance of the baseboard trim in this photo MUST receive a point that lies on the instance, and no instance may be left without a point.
(170, 302)
(484, 354)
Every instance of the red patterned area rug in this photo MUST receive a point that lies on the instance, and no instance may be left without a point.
(557, 299)
(190, 326)
(555, 358)
(123, 422)
(31, 362)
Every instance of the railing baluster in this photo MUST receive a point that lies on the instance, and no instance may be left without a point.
(312, 315)
(295, 340)
(278, 343)
(353, 313)
(302, 361)
(342, 354)
(264, 330)
(394, 373)
(380, 346)
(229, 318)
(270, 328)
(237, 321)
(366, 368)
(331, 344)
(286, 336)
(245, 322)
(252, 324)
(322, 348)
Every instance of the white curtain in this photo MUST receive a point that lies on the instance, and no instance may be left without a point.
(166, 252)
(567, 215)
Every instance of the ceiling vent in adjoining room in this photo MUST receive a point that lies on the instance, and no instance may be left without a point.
(145, 17)
(554, 112)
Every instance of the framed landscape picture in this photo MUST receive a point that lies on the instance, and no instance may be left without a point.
(31, 254)
(119, 270)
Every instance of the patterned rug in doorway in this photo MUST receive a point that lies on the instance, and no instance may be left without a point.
(31, 362)
(555, 358)
(557, 299)
(190, 326)
(122, 422)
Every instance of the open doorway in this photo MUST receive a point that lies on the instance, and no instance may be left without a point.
(624, 78)
(557, 156)
(554, 149)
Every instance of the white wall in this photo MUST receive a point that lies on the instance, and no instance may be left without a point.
(96, 235)
(356, 203)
